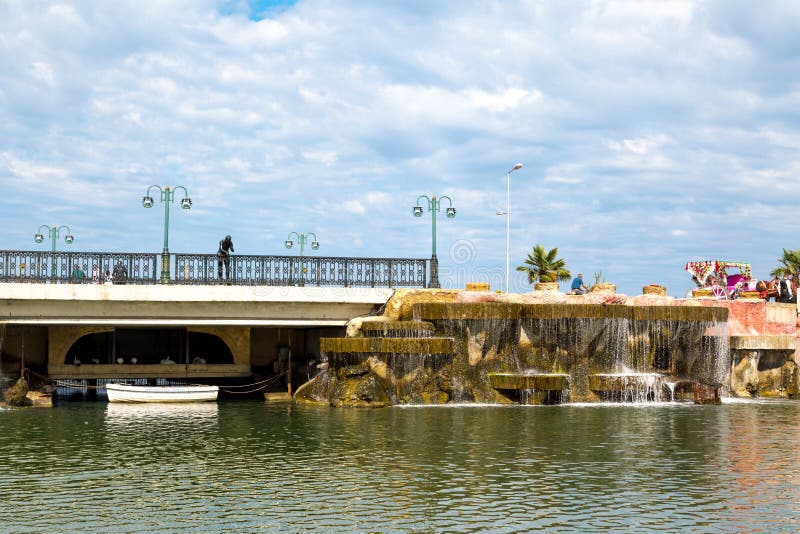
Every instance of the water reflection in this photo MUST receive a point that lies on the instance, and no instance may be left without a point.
(128, 412)
(255, 466)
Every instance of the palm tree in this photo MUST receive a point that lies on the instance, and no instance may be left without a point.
(544, 266)
(790, 263)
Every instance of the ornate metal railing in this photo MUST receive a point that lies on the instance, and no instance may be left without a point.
(301, 271)
(77, 267)
(143, 268)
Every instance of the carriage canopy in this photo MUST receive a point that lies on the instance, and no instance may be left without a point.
(703, 269)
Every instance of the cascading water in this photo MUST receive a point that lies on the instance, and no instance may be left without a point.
(619, 353)
(503, 352)
(671, 388)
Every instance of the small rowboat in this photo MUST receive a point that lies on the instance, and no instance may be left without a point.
(193, 393)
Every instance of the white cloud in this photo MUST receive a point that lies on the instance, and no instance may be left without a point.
(354, 206)
(377, 198)
(327, 158)
(43, 71)
(638, 123)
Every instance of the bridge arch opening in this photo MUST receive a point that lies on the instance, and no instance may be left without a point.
(149, 346)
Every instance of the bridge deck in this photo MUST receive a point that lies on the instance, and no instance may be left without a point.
(185, 305)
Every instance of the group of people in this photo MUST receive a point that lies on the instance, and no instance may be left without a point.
(118, 276)
(781, 289)
(120, 273)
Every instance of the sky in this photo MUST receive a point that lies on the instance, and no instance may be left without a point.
(652, 132)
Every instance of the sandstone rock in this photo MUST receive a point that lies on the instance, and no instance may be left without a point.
(353, 327)
(604, 288)
(400, 304)
(491, 355)
(524, 340)
(597, 298)
(546, 286)
(544, 297)
(475, 348)
(744, 376)
(478, 286)
(37, 398)
(378, 367)
(655, 289)
(650, 300)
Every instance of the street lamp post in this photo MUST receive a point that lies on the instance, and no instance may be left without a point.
(302, 239)
(55, 233)
(434, 206)
(167, 197)
(507, 213)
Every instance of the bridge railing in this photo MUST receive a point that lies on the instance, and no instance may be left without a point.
(39, 266)
(301, 271)
(144, 268)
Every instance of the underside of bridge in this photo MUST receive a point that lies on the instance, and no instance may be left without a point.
(88, 332)
(78, 352)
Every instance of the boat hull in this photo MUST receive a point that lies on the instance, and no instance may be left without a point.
(127, 393)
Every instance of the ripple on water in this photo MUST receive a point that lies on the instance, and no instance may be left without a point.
(255, 466)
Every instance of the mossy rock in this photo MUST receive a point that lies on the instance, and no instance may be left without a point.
(387, 345)
(397, 329)
(16, 394)
(352, 370)
(440, 311)
(315, 391)
(366, 391)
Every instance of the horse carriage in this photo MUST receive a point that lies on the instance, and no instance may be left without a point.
(724, 279)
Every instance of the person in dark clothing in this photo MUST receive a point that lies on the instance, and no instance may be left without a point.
(78, 275)
(224, 257)
(788, 292)
(120, 273)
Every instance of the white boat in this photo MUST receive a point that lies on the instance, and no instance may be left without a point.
(192, 393)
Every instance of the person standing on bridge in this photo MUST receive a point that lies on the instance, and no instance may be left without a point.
(224, 256)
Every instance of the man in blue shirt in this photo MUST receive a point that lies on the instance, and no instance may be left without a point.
(577, 286)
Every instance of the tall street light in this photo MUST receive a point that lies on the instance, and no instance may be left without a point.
(55, 233)
(507, 213)
(302, 239)
(167, 197)
(433, 207)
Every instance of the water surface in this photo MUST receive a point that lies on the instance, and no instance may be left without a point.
(251, 466)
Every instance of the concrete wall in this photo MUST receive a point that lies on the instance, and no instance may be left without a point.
(35, 347)
(764, 348)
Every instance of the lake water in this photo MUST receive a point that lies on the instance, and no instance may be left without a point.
(253, 466)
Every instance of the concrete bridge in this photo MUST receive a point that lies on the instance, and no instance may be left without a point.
(90, 331)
